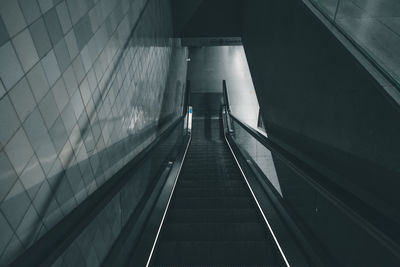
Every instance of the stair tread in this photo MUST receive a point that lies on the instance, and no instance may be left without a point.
(212, 202)
(214, 231)
(211, 192)
(210, 183)
(213, 215)
(224, 252)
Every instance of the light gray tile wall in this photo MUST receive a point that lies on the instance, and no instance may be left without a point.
(93, 244)
(76, 88)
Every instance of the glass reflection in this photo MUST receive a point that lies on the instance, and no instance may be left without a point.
(260, 154)
(373, 24)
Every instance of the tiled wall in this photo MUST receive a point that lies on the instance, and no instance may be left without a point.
(76, 90)
(93, 244)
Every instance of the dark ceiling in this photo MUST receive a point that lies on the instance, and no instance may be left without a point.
(207, 18)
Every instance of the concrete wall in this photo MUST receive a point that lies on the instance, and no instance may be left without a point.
(76, 91)
(182, 11)
(208, 66)
(320, 103)
(207, 18)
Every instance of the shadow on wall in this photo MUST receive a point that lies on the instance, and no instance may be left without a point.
(174, 93)
(121, 103)
(117, 213)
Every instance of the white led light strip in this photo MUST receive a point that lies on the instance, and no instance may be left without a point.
(259, 207)
(169, 200)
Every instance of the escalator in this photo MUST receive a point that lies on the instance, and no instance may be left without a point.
(194, 207)
(224, 209)
(197, 196)
(212, 218)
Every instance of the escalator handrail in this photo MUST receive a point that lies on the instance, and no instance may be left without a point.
(142, 255)
(226, 96)
(186, 100)
(327, 189)
(47, 249)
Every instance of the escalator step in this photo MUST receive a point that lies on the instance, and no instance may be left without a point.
(212, 192)
(214, 176)
(213, 215)
(211, 203)
(209, 183)
(244, 231)
(215, 253)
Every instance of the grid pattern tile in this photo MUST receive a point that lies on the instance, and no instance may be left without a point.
(77, 84)
(92, 246)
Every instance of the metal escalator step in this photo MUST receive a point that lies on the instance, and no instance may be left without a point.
(221, 231)
(215, 253)
(211, 203)
(210, 183)
(213, 176)
(213, 215)
(212, 192)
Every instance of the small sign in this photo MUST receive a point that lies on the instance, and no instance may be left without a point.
(190, 119)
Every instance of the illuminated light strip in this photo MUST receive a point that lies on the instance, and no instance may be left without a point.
(169, 200)
(258, 205)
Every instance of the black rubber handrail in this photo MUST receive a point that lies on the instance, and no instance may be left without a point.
(142, 254)
(345, 201)
(295, 246)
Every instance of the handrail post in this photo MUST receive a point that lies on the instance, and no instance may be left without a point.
(186, 100)
(227, 107)
(226, 97)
